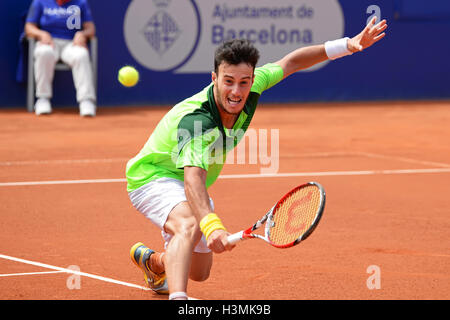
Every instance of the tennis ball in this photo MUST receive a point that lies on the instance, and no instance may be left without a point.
(128, 76)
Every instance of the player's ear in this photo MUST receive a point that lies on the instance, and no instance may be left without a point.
(214, 77)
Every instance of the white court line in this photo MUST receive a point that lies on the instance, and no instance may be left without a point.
(402, 159)
(93, 276)
(39, 162)
(248, 176)
(303, 155)
(40, 183)
(365, 154)
(29, 273)
(64, 270)
(335, 173)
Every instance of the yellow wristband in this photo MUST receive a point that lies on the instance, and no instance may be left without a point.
(210, 223)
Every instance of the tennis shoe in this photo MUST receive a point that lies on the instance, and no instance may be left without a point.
(87, 108)
(42, 106)
(140, 255)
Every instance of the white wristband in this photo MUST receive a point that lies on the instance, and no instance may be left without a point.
(337, 48)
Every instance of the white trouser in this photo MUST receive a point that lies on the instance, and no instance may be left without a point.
(76, 57)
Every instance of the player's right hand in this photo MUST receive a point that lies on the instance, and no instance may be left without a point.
(218, 241)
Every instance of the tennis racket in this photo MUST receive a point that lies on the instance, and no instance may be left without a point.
(291, 220)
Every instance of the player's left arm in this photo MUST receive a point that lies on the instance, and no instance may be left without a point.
(306, 57)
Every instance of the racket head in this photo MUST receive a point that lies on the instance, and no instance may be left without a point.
(296, 215)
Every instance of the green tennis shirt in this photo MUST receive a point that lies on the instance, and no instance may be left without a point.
(192, 134)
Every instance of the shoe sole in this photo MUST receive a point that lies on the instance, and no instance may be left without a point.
(39, 113)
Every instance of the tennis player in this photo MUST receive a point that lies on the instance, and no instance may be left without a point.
(168, 179)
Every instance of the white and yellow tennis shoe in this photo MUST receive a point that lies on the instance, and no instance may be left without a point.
(140, 255)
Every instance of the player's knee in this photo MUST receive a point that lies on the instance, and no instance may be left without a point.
(190, 230)
(200, 275)
(200, 270)
(201, 266)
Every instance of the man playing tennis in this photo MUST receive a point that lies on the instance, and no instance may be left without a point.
(168, 179)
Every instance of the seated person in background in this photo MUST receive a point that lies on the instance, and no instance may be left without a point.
(62, 29)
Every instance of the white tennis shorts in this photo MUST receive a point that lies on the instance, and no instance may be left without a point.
(156, 199)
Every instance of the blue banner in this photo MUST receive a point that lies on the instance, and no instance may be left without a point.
(171, 43)
(422, 10)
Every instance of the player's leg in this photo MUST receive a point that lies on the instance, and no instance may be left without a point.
(180, 259)
(201, 266)
(163, 201)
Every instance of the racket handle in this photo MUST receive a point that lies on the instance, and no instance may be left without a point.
(235, 237)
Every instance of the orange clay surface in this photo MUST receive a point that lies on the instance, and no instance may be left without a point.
(385, 168)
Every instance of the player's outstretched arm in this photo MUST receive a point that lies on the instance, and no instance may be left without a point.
(306, 57)
(371, 34)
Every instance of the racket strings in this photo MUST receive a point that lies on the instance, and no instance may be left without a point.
(295, 215)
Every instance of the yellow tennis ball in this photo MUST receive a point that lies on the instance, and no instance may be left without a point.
(128, 76)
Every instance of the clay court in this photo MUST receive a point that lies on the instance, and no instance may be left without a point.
(385, 168)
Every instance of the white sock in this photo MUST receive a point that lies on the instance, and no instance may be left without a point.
(178, 296)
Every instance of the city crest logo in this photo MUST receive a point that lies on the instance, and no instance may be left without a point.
(162, 34)
(172, 35)
(161, 31)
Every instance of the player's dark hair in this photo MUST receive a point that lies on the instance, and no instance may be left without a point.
(234, 52)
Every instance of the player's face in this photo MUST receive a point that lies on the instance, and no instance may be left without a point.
(232, 86)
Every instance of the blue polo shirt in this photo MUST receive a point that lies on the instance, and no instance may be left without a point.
(60, 21)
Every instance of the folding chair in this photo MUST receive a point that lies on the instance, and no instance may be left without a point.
(60, 66)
